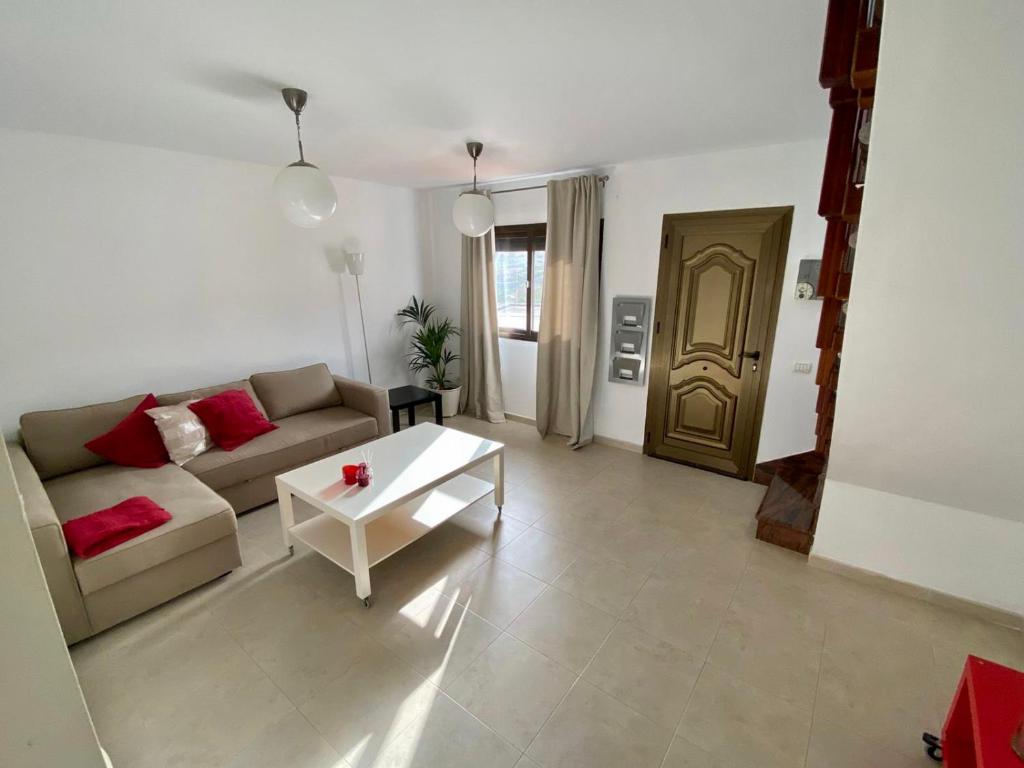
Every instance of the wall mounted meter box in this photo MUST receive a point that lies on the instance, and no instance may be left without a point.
(631, 324)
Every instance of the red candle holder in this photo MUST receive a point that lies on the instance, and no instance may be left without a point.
(351, 473)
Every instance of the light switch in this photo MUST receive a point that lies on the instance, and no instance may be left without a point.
(802, 367)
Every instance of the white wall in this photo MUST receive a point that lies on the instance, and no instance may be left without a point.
(636, 197)
(126, 269)
(45, 721)
(929, 410)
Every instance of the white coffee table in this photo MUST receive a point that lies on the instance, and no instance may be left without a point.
(419, 481)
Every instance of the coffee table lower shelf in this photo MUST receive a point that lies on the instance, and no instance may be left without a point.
(394, 530)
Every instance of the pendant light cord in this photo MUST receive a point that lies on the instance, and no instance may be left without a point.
(474, 173)
(298, 135)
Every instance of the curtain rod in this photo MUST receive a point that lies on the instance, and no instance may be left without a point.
(601, 179)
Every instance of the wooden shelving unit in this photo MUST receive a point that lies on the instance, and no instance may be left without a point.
(849, 67)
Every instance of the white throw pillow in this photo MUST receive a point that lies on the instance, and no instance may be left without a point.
(183, 433)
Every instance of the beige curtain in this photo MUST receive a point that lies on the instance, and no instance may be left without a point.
(481, 367)
(567, 338)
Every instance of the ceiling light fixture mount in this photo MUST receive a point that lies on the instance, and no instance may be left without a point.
(305, 193)
(473, 212)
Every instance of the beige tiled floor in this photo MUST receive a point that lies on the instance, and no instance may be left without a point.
(620, 614)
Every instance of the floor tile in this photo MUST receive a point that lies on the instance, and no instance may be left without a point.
(778, 656)
(636, 545)
(497, 591)
(441, 641)
(592, 729)
(653, 677)
(878, 679)
(189, 700)
(604, 584)
(490, 532)
(540, 554)
(290, 741)
(527, 505)
(571, 528)
(683, 754)
(595, 506)
(563, 628)
(833, 746)
(672, 612)
(303, 656)
(512, 688)
(361, 711)
(445, 735)
(736, 722)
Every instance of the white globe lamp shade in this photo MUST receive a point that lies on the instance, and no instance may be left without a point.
(306, 195)
(473, 214)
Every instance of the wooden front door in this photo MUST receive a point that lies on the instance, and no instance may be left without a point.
(719, 283)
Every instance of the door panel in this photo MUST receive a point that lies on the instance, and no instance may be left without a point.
(718, 290)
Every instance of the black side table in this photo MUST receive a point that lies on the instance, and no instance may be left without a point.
(409, 397)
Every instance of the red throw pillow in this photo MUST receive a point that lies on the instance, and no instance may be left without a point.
(135, 441)
(231, 418)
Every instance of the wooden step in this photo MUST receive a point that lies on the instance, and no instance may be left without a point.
(788, 512)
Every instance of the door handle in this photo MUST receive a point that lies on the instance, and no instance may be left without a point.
(753, 355)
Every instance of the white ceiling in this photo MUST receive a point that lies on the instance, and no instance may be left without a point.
(397, 86)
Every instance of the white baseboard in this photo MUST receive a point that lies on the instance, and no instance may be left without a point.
(614, 442)
(520, 419)
(941, 599)
(611, 442)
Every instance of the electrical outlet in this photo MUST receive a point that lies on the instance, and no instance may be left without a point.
(802, 367)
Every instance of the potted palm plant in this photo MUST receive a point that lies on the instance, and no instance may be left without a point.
(430, 351)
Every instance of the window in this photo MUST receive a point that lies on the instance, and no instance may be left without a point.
(519, 279)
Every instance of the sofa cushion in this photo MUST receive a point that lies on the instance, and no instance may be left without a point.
(298, 440)
(286, 393)
(231, 418)
(55, 440)
(134, 442)
(198, 517)
(198, 394)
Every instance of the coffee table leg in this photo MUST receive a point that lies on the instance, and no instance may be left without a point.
(284, 501)
(499, 480)
(396, 420)
(360, 563)
(438, 414)
(412, 415)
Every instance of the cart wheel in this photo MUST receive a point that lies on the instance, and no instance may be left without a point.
(367, 601)
(934, 746)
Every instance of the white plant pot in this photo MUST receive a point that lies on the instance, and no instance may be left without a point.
(449, 401)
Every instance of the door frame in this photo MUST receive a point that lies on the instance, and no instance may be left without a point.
(778, 222)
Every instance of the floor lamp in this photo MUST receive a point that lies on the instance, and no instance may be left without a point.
(356, 266)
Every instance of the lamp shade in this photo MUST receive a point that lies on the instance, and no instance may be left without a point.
(306, 195)
(473, 214)
(356, 263)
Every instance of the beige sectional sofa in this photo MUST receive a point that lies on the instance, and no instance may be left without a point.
(317, 414)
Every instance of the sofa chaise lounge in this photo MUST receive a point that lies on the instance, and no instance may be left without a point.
(317, 414)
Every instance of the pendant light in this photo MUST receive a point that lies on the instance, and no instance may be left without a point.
(305, 193)
(473, 212)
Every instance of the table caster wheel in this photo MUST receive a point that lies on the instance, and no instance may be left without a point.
(367, 602)
(934, 746)
(499, 510)
(291, 550)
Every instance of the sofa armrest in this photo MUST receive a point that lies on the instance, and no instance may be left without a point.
(51, 547)
(370, 399)
(38, 509)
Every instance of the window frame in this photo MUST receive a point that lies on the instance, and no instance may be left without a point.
(533, 233)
